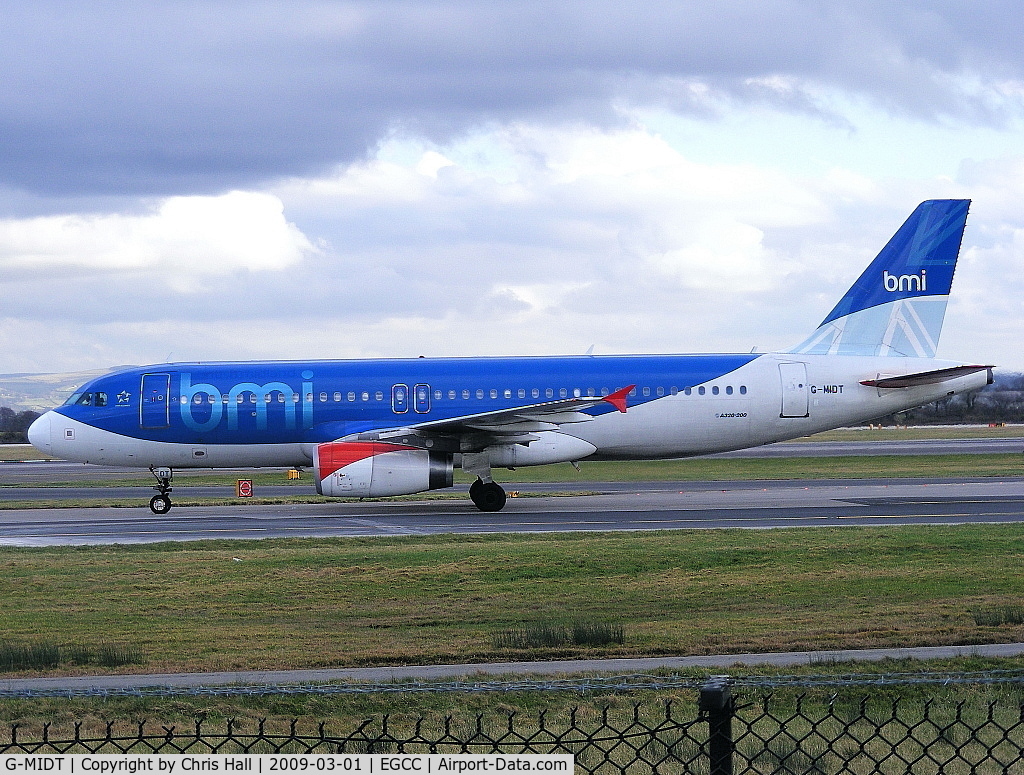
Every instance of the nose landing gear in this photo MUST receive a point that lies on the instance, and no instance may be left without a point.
(161, 504)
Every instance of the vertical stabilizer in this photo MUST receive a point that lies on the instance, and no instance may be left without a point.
(896, 307)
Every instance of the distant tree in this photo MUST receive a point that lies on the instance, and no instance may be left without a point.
(14, 425)
(1002, 401)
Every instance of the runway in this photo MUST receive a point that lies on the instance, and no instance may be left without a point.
(618, 506)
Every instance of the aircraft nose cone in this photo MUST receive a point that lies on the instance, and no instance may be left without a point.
(39, 432)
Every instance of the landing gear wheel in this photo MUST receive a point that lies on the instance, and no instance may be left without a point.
(161, 504)
(487, 496)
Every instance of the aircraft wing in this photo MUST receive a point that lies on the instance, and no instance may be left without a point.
(518, 425)
(924, 377)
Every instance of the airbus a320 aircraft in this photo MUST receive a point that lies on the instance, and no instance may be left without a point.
(392, 427)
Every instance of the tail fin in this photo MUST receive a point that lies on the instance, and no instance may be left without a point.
(896, 307)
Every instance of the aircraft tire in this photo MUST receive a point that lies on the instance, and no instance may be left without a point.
(159, 504)
(490, 497)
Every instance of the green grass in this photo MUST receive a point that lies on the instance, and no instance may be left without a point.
(46, 655)
(334, 602)
(725, 469)
(917, 432)
(344, 713)
(689, 469)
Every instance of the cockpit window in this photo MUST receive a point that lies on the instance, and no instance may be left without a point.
(98, 398)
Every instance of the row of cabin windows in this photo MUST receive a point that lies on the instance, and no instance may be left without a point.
(100, 398)
(453, 395)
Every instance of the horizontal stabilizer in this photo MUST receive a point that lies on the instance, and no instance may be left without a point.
(926, 377)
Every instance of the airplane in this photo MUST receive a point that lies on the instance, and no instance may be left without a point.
(386, 427)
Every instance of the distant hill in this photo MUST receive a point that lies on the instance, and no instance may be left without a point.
(39, 392)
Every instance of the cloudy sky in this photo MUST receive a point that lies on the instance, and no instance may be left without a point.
(185, 180)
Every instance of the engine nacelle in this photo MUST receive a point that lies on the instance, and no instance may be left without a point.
(362, 469)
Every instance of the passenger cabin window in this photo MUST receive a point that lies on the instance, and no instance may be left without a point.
(647, 391)
(701, 390)
(743, 390)
(549, 393)
(728, 390)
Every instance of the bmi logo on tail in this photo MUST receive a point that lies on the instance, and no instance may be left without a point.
(905, 282)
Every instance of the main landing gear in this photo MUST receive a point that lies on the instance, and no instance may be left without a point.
(161, 504)
(488, 496)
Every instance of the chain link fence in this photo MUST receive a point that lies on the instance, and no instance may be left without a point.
(823, 724)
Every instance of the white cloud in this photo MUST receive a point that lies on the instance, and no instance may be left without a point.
(184, 237)
(518, 240)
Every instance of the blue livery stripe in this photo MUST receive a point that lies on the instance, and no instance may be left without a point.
(223, 403)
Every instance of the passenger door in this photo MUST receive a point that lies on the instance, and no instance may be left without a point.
(154, 401)
(795, 391)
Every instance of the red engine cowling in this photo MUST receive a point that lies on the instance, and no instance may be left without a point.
(362, 469)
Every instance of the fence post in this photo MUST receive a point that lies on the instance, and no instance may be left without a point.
(717, 703)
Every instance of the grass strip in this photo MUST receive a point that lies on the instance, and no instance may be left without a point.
(689, 469)
(301, 603)
(951, 709)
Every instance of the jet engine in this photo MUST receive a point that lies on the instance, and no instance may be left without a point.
(361, 469)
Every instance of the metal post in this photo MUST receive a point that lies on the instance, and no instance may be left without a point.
(717, 704)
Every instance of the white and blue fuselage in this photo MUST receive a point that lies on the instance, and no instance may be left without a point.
(276, 413)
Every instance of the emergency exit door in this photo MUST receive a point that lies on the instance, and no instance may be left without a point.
(795, 391)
